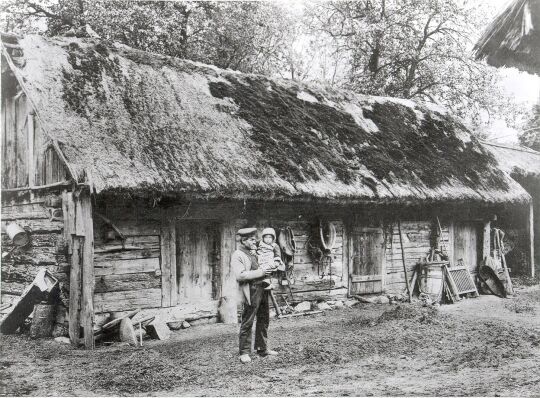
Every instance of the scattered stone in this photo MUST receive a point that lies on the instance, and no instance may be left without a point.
(351, 303)
(185, 325)
(127, 332)
(176, 325)
(303, 306)
(366, 299)
(338, 304)
(323, 306)
(62, 339)
(60, 330)
(158, 329)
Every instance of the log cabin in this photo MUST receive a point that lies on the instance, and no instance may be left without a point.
(132, 172)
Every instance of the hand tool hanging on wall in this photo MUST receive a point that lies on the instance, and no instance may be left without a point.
(287, 244)
(403, 259)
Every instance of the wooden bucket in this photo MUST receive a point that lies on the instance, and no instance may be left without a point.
(431, 279)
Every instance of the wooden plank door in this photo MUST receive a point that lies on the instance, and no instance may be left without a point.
(197, 261)
(467, 244)
(367, 256)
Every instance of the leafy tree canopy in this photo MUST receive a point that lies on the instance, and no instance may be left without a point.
(418, 49)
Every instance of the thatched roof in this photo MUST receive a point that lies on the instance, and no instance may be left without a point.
(130, 120)
(516, 160)
(513, 38)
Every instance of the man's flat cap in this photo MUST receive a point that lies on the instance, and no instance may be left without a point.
(247, 232)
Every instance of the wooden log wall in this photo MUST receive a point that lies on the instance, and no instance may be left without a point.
(39, 214)
(128, 274)
(146, 274)
(28, 158)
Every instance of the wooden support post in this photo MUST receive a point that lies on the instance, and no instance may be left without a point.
(531, 237)
(486, 245)
(31, 171)
(75, 291)
(87, 307)
(228, 305)
(68, 207)
(168, 259)
(79, 232)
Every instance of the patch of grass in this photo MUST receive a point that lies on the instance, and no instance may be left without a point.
(412, 312)
(520, 305)
(522, 280)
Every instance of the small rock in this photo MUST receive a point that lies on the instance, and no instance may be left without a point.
(350, 303)
(323, 306)
(177, 325)
(61, 339)
(383, 300)
(367, 299)
(185, 325)
(338, 304)
(303, 306)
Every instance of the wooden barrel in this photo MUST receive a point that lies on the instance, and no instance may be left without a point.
(431, 279)
(42, 321)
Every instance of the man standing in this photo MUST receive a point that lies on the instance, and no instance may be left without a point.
(254, 298)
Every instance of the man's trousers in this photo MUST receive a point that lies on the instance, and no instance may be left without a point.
(260, 310)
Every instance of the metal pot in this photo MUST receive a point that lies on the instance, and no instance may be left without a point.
(17, 234)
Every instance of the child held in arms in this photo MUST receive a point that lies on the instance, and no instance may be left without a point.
(269, 254)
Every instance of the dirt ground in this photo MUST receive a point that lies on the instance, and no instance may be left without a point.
(485, 346)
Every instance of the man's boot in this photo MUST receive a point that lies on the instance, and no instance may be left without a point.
(265, 353)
